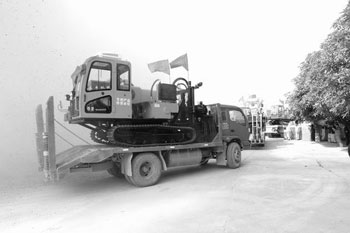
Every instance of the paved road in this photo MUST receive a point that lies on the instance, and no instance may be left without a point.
(288, 186)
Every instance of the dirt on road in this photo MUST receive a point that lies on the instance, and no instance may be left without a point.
(288, 186)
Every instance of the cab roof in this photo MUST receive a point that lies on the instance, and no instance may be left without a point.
(107, 57)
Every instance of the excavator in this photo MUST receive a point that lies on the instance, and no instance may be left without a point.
(105, 101)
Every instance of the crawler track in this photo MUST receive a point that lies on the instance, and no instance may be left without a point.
(150, 135)
(144, 135)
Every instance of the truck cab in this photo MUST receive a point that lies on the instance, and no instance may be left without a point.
(232, 123)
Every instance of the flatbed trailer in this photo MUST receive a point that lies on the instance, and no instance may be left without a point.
(141, 166)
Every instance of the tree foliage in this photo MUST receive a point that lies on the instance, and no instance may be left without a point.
(322, 88)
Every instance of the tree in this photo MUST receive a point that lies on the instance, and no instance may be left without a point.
(322, 88)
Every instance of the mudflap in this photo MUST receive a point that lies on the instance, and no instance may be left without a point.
(221, 159)
(126, 164)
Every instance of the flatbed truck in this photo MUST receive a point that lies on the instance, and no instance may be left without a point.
(142, 165)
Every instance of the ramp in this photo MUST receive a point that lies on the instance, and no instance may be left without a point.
(55, 165)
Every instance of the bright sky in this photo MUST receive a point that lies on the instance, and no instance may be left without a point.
(235, 48)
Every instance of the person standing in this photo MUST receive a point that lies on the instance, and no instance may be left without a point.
(312, 132)
(337, 134)
(298, 131)
(347, 134)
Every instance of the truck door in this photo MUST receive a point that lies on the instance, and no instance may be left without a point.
(235, 124)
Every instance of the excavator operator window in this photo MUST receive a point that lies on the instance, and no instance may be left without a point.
(100, 77)
(123, 77)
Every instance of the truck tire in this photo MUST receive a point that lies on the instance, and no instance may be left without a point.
(146, 170)
(233, 155)
(115, 171)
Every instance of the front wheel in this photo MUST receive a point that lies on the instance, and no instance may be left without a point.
(146, 170)
(233, 155)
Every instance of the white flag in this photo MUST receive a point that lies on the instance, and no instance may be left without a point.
(180, 61)
(160, 66)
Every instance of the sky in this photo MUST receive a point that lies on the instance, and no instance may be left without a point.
(236, 48)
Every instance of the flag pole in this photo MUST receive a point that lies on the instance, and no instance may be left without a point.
(188, 70)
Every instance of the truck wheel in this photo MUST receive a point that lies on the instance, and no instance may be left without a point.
(115, 171)
(146, 170)
(233, 155)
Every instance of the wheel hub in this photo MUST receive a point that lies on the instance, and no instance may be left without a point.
(145, 169)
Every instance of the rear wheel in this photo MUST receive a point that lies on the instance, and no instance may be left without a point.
(146, 170)
(233, 155)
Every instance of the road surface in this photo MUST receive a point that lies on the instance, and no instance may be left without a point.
(288, 186)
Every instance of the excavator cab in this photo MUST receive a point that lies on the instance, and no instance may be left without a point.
(101, 90)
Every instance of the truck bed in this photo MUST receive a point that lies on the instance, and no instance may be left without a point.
(99, 157)
(92, 154)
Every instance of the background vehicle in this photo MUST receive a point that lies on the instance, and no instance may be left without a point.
(276, 127)
(257, 126)
(278, 118)
(253, 108)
